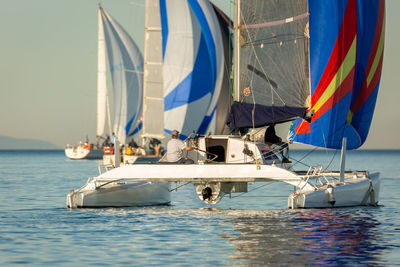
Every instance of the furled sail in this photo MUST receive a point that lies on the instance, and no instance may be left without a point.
(153, 100)
(346, 53)
(126, 67)
(101, 79)
(192, 64)
(273, 63)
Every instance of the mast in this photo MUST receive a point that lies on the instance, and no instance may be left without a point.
(343, 159)
(153, 97)
(236, 50)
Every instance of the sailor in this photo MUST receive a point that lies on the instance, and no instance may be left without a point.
(155, 146)
(175, 147)
(275, 143)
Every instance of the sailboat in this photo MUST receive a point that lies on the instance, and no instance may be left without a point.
(86, 150)
(126, 69)
(281, 75)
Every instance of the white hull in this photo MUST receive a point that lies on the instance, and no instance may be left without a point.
(83, 153)
(120, 193)
(358, 191)
(125, 185)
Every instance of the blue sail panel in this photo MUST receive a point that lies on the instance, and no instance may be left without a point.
(192, 64)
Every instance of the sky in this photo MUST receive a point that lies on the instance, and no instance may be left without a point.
(48, 69)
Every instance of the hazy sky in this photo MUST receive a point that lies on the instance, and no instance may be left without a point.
(48, 68)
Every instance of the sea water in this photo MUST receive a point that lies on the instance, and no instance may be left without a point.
(257, 228)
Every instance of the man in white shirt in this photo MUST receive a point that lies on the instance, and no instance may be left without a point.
(175, 147)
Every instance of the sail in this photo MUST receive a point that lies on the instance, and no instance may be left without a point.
(126, 67)
(346, 54)
(101, 80)
(273, 63)
(153, 100)
(192, 64)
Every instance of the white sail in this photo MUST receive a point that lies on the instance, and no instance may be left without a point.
(101, 80)
(153, 100)
(192, 64)
(126, 70)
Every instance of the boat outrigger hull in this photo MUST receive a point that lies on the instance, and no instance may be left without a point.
(119, 193)
(358, 191)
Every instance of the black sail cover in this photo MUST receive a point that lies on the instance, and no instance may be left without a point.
(274, 63)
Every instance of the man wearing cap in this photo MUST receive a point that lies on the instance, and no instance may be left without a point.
(175, 147)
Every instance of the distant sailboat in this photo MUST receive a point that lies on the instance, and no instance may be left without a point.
(126, 71)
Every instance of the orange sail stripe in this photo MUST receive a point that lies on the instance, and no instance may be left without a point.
(344, 70)
(345, 87)
(340, 85)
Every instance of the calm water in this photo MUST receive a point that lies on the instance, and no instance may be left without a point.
(37, 229)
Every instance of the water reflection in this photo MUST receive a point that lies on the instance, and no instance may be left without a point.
(321, 237)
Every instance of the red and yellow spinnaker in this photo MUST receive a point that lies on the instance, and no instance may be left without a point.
(346, 53)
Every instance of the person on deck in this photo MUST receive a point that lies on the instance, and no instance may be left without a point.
(175, 147)
(275, 142)
(133, 144)
(155, 146)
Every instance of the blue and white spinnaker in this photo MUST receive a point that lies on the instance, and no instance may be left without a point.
(192, 65)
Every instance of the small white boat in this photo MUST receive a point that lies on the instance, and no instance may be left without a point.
(83, 152)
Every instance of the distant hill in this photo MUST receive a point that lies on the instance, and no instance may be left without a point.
(7, 142)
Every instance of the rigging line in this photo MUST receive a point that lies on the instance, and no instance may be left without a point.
(260, 196)
(267, 183)
(318, 146)
(176, 188)
(305, 156)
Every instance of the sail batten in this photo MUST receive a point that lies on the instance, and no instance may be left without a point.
(274, 23)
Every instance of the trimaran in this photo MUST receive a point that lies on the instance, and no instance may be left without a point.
(290, 63)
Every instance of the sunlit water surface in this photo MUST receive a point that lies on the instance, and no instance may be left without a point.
(36, 228)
